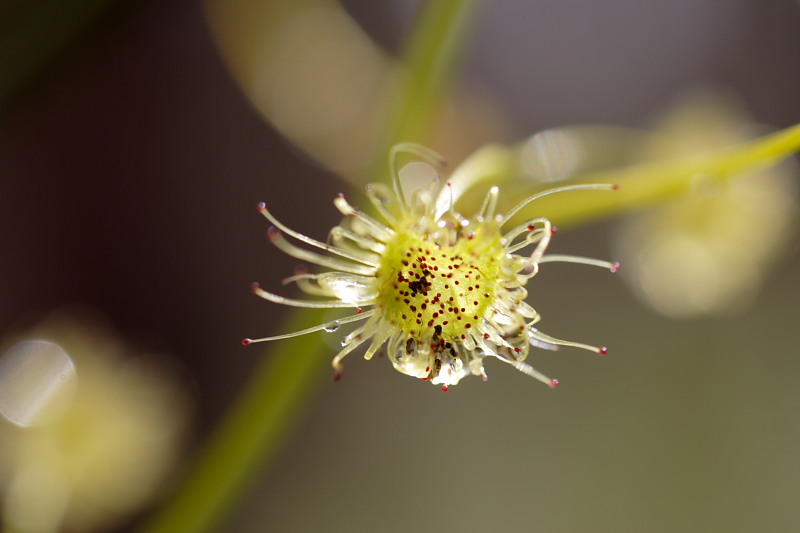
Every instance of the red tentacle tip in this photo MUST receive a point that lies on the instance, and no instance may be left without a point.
(444, 388)
(337, 375)
(553, 230)
(261, 206)
(247, 342)
(615, 266)
(255, 287)
(615, 187)
(553, 383)
(273, 233)
(602, 350)
(359, 311)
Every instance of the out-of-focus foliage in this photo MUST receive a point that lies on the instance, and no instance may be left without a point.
(314, 74)
(106, 432)
(708, 250)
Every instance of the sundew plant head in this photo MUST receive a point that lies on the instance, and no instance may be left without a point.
(439, 290)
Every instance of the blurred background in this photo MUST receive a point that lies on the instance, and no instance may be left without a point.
(132, 160)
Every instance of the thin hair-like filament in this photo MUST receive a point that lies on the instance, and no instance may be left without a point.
(529, 199)
(308, 240)
(321, 327)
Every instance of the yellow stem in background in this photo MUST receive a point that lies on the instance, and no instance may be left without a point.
(645, 184)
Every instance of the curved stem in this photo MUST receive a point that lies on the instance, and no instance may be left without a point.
(252, 432)
(649, 183)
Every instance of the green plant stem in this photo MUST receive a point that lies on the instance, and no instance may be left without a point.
(253, 431)
(429, 58)
(640, 185)
(646, 184)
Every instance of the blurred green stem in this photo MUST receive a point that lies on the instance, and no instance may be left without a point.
(640, 185)
(261, 418)
(251, 433)
(645, 184)
(430, 57)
